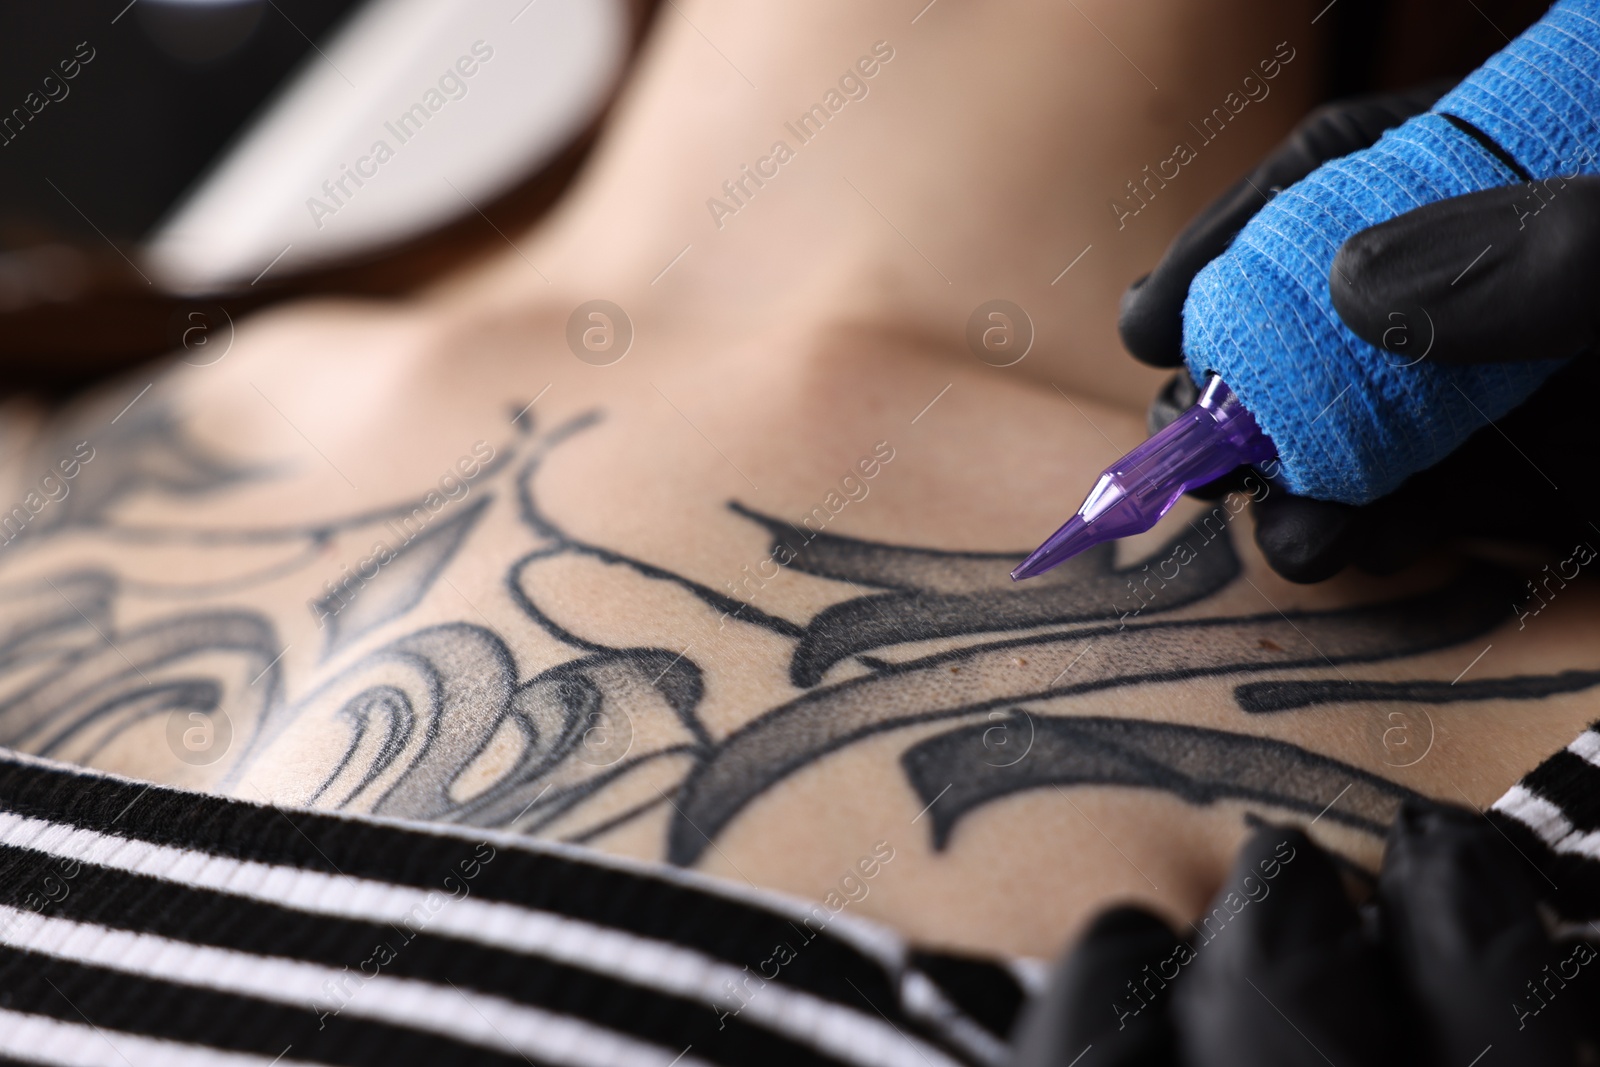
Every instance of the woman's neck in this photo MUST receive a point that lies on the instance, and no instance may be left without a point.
(850, 170)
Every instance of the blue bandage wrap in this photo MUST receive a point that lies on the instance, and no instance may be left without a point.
(1350, 421)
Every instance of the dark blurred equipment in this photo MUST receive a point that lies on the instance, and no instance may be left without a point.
(1450, 965)
(153, 97)
(202, 33)
(117, 119)
(1535, 255)
(110, 114)
(1379, 45)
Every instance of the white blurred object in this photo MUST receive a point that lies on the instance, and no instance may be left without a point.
(467, 98)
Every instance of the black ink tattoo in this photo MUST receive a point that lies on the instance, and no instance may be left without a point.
(995, 673)
(402, 574)
(957, 772)
(1290, 695)
(446, 723)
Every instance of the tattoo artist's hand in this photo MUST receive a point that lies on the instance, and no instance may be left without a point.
(1505, 274)
(1449, 964)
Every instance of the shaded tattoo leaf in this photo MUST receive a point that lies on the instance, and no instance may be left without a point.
(87, 695)
(956, 772)
(950, 594)
(358, 607)
(421, 713)
(382, 723)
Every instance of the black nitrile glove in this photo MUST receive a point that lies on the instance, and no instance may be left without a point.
(1506, 274)
(1451, 966)
(1499, 275)
(1465, 935)
(1093, 998)
(1151, 319)
(1279, 983)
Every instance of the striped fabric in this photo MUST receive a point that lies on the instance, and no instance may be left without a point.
(141, 925)
(144, 925)
(1553, 816)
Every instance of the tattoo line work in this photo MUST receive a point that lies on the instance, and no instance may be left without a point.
(441, 722)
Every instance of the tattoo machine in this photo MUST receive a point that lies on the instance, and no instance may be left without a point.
(1287, 384)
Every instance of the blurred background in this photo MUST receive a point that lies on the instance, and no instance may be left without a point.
(172, 164)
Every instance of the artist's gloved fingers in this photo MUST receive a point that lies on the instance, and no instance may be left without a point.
(1151, 316)
(1307, 540)
(1503, 274)
(1283, 975)
(1102, 995)
(1459, 914)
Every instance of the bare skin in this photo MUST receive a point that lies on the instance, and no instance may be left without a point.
(591, 630)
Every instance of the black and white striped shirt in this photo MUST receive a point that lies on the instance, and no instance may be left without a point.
(147, 925)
